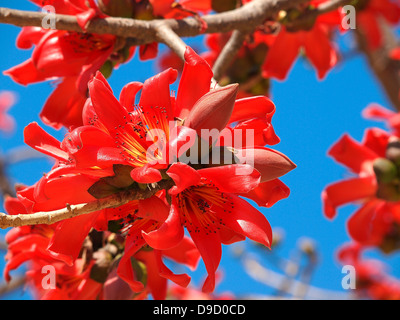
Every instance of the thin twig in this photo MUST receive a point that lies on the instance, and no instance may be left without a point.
(71, 211)
(5, 185)
(228, 53)
(171, 39)
(274, 279)
(13, 285)
(244, 18)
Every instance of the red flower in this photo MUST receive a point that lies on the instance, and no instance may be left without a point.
(359, 158)
(29, 245)
(117, 149)
(74, 59)
(204, 202)
(376, 222)
(7, 100)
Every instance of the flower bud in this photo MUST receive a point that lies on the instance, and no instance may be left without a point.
(385, 170)
(270, 163)
(213, 110)
(117, 8)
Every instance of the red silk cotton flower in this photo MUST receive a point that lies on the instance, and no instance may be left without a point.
(375, 188)
(124, 146)
(73, 58)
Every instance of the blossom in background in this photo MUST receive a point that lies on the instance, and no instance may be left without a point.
(376, 187)
(314, 37)
(369, 14)
(246, 67)
(7, 100)
(372, 281)
(93, 275)
(378, 113)
(110, 153)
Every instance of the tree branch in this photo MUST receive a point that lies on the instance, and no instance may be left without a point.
(71, 211)
(5, 185)
(244, 18)
(171, 39)
(386, 69)
(325, 7)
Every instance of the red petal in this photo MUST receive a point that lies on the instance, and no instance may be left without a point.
(359, 224)
(196, 70)
(67, 247)
(210, 250)
(64, 106)
(319, 50)
(268, 193)
(153, 209)
(128, 95)
(347, 191)
(148, 51)
(250, 108)
(236, 178)
(156, 92)
(248, 221)
(277, 65)
(352, 154)
(184, 253)
(134, 242)
(38, 139)
(182, 280)
(26, 73)
(146, 174)
(183, 176)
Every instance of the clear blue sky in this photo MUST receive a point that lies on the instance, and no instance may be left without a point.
(310, 116)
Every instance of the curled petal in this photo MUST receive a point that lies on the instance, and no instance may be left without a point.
(146, 174)
(268, 193)
(169, 235)
(182, 280)
(38, 139)
(183, 176)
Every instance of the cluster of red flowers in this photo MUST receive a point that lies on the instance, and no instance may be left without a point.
(376, 224)
(73, 58)
(113, 147)
(261, 59)
(108, 154)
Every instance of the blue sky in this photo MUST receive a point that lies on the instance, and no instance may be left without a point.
(311, 115)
